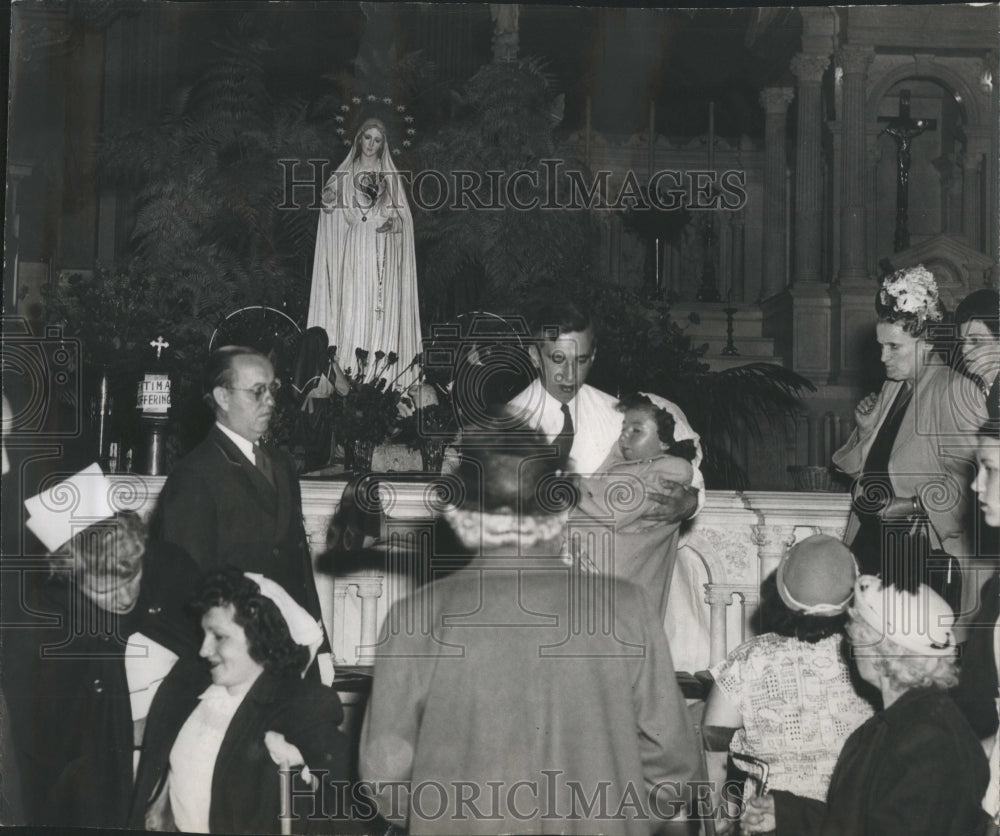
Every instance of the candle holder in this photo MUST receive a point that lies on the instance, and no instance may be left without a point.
(730, 349)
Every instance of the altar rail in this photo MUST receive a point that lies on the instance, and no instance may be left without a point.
(736, 540)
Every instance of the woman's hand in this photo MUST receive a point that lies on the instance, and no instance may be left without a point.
(758, 815)
(329, 196)
(287, 755)
(281, 751)
(864, 412)
(900, 507)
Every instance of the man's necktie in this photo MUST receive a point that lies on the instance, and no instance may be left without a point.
(263, 462)
(564, 441)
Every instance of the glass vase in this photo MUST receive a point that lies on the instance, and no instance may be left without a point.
(432, 455)
(361, 453)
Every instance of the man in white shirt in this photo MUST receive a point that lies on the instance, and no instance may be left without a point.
(581, 420)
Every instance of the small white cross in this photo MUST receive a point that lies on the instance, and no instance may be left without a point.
(159, 344)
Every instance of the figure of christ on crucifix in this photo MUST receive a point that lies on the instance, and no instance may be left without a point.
(903, 128)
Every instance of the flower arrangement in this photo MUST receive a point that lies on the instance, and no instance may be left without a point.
(431, 416)
(911, 293)
(368, 412)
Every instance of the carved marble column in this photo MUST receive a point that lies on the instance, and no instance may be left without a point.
(775, 101)
(369, 591)
(505, 30)
(809, 71)
(737, 222)
(971, 194)
(811, 308)
(854, 62)
(718, 602)
(772, 542)
(337, 637)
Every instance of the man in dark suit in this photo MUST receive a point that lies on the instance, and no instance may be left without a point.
(230, 501)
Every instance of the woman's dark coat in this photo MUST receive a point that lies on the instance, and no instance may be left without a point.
(245, 783)
(914, 769)
(64, 680)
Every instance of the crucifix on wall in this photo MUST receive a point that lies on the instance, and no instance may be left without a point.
(903, 128)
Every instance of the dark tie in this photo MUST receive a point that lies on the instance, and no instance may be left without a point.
(564, 441)
(263, 462)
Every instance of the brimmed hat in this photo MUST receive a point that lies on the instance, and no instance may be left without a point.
(920, 622)
(816, 576)
(67, 508)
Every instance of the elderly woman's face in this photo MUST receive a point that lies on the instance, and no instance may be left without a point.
(899, 351)
(113, 581)
(862, 652)
(225, 649)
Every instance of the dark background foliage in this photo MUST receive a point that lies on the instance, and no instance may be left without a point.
(216, 232)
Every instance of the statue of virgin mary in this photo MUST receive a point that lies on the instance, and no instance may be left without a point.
(364, 281)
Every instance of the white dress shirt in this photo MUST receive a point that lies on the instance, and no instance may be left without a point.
(246, 446)
(597, 425)
(193, 757)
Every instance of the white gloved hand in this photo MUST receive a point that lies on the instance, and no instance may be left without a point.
(327, 672)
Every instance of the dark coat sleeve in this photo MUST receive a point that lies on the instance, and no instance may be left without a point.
(309, 718)
(307, 579)
(976, 692)
(186, 516)
(246, 787)
(797, 816)
(929, 784)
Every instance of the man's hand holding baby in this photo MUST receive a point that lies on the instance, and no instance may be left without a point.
(672, 503)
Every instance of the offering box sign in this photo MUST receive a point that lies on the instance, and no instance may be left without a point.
(154, 394)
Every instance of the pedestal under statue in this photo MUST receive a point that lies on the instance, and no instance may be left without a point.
(364, 283)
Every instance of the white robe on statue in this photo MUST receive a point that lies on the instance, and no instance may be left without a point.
(364, 283)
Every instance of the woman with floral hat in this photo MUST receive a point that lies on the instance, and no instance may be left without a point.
(911, 452)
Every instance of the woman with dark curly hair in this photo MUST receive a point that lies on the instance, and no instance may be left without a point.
(912, 450)
(217, 732)
(978, 319)
(786, 696)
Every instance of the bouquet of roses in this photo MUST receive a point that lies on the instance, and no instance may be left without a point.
(369, 411)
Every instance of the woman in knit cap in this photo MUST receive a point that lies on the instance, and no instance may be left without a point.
(916, 767)
(786, 697)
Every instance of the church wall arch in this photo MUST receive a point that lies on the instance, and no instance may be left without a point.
(940, 74)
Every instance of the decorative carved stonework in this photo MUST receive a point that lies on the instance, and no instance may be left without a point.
(958, 267)
(772, 542)
(730, 531)
(776, 99)
(809, 69)
(854, 60)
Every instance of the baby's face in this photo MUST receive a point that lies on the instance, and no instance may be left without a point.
(639, 438)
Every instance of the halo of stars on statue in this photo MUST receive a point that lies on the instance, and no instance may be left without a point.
(372, 106)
